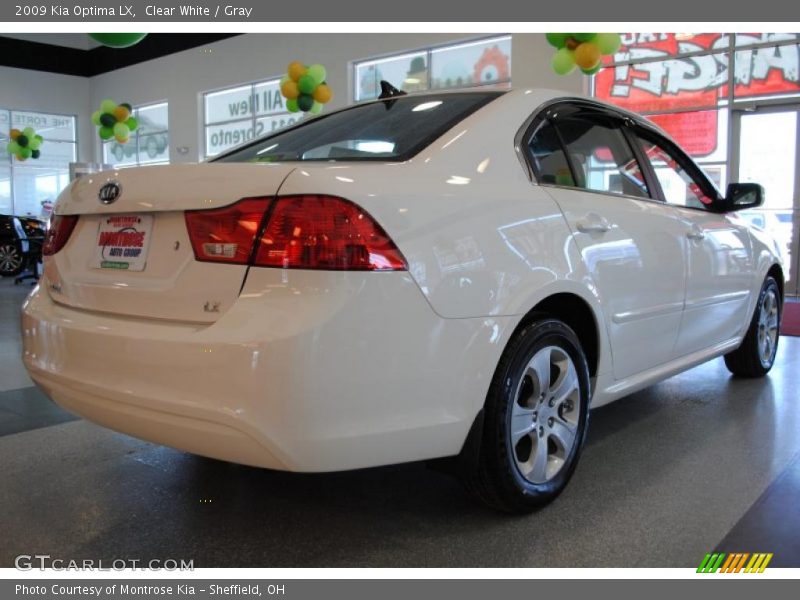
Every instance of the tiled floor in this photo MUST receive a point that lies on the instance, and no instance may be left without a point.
(699, 462)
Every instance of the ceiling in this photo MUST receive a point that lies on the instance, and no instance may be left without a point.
(78, 54)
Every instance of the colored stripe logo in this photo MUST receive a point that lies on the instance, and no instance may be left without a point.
(736, 562)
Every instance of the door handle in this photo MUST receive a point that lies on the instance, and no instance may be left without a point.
(695, 233)
(593, 223)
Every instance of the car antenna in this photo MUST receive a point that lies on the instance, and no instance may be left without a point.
(389, 91)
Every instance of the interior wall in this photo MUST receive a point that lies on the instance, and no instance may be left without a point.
(21, 89)
(181, 78)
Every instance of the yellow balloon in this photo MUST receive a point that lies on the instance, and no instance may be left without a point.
(587, 55)
(323, 93)
(296, 70)
(121, 113)
(121, 140)
(14, 134)
(289, 90)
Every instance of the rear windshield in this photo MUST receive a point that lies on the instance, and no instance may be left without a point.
(388, 130)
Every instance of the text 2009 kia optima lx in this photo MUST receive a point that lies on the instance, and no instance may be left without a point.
(454, 274)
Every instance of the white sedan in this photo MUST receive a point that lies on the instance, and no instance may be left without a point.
(454, 274)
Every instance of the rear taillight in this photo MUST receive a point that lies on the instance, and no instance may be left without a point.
(324, 232)
(226, 234)
(301, 232)
(58, 233)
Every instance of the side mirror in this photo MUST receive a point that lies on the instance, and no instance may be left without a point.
(740, 196)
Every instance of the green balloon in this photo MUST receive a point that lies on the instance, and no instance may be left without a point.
(608, 42)
(584, 37)
(306, 84)
(317, 73)
(557, 40)
(291, 105)
(316, 109)
(13, 147)
(106, 133)
(118, 40)
(121, 130)
(25, 153)
(96, 117)
(40, 138)
(593, 70)
(107, 120)
(22, 140)
(35, 154)
(29, 132)
(132, 123)
(563, 63)
(305, 102)
(108, 105)
(34, 144)
(128, 106)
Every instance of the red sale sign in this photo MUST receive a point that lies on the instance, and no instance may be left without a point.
(670, 80)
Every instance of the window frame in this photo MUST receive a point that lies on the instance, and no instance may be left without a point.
(630, 123)
(428, 51)
(12, 164)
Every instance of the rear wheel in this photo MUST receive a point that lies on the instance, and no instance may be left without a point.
(756, 355)
(11, 260)
(536, 417)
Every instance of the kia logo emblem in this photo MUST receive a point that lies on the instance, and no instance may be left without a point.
(109, 192)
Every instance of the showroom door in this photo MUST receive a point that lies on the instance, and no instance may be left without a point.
(767, 152)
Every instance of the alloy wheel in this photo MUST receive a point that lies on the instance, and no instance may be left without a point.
(10, 259)
(768, 328)
(545, 415)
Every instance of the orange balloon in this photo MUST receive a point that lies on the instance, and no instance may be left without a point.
(121, 114)
(121, 140)
(296, 70)
(14, 134)
(323, 93)
(289, 90)
(587, 55)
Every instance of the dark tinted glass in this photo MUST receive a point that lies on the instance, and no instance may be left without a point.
(394, 129)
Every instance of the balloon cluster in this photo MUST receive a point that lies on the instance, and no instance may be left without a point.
(24, 144)
(114, 120)
(305, 88)
(584, 50)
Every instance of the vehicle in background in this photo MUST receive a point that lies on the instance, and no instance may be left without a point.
(21, 240)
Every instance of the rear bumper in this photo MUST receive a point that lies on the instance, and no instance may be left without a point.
(308, 371)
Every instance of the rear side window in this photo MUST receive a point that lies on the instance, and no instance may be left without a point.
(388, 130)
(587, 153)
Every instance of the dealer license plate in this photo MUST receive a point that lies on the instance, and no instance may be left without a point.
(122, 242)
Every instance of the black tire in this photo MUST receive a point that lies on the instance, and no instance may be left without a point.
(495, 478)
(747, 359)
(12, 260)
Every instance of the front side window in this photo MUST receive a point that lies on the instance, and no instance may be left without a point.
(677, 184)
(587, 153)
(387, 130)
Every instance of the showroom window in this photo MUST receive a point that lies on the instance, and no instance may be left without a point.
(722, 97)
(466, 64)
(238, 114)
(148, 145)
(30, 188)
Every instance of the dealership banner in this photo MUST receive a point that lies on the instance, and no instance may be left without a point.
(730, 587)
(406, 11)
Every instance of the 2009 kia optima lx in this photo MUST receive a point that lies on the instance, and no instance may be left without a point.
(454, 274)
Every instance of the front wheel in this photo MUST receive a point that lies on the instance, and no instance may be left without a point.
(756, 355)
(11, 260)
(536, 417)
